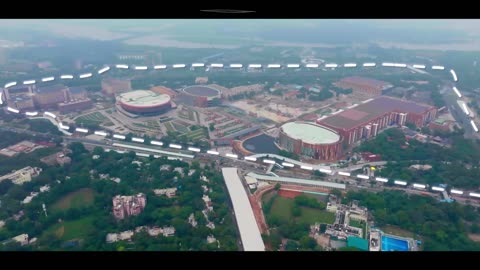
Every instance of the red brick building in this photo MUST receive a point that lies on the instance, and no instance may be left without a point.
(364, 85)
(367, 119)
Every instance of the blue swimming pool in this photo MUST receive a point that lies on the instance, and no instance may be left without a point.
(394, 244)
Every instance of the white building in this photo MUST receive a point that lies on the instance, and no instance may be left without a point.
(23, 175)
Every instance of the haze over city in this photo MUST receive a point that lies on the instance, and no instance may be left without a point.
(239, 135)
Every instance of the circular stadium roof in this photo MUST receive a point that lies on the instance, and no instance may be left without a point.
(310, 133)
(143, 98)
(201, 91)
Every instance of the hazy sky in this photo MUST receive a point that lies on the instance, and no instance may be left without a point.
(427, 31)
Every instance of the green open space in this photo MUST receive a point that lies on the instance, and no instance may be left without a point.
(282, 208)
(72, 229)
(76, 199)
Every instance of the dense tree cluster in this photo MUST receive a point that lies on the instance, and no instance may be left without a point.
(457, 165)
(441, 225)
(84, 172)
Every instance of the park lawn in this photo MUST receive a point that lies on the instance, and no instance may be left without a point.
(73, 229)
(356, 224)
(282, 209)
(75, 199)
(312, 215)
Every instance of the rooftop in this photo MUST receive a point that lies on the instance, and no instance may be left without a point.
(143, 98)
(364, 81)
(366, 112)
(310, 133)
(50, 89)
(76, 90)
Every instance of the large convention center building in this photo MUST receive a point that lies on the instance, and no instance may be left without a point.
(311, 140)
(144, 102)
(367, 119)
(199, 96)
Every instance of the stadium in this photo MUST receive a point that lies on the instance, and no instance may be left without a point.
(367, 119)
(144, 102)
(199, 96)
(311, 140)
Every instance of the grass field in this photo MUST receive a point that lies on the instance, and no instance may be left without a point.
(397, 231)
(81, 197)
(356, 223)
(91, 118)
(169, 126)
(282, 208)
(73, 229)
(179, 127)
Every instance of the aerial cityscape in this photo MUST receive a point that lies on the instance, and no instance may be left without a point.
(214, 135)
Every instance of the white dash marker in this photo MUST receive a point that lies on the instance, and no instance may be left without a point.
(48, 79)
(286, 164)
(66, 77)
(176, 146)
(362, 176)
(419, 186)
(120, 66)
(400, 183)
(231, 155)
(86, 75)
(438, 67)
(198, 65)
(179, 66)
(103, 70)
(250, 158)
(236, 65)
(369, 64)
(211, 152)
(29, 82)
(156, 143)
(268, 161)
(194, 149)
(160, 67)
(419, 66)
(50, 114)
(81, 130)
(118, 136)
(350, 65)
(456, 191)
(293, 65)
(141, 67)
(308, 168)
(216, 65)
(140, 140)
(331, 65)
(12, 110)
(438, 189)
(454, 75)
(274, 66)
(472, 194)
(344, 173)
(10, 84)
(311, 65)
(31, 113)
(101, 133)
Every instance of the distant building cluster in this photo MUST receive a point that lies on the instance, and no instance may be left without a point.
(59, 158)
(363, 85)
(65, 99)
(21, 176)
(242, 90)
(369, 118)
(201, 80)
(125, 206)
(111, 86)
(21, 147)
(164, 90)
(169, 192)
(152, 231)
